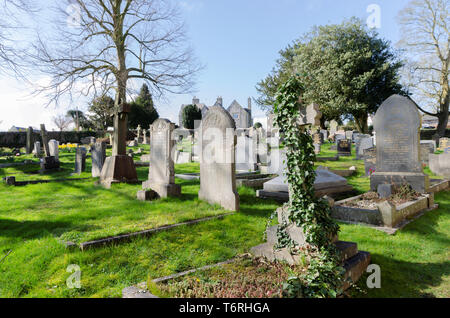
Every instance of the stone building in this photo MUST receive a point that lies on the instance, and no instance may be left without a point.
(241, 116)
(196, 102)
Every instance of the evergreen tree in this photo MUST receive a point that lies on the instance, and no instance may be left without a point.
(142, 111)
(190, 114)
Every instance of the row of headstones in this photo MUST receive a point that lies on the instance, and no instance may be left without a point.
(98, 154)
(217, 180)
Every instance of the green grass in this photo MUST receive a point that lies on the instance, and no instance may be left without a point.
(35, 218)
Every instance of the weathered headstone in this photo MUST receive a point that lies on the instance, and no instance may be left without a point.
(49, 162)
(444, 143)
(362, 142)
(98, 155)
(45, 141)
(245, 154)
(80, 160)
(88, 140)
(344, 147)
(324, 133)
(217, 159)
(333, 127)
(349, 135)
(29, 144)
(370, 160)
(440, 164)
(53, 146)
(37, 149)
(397, 124)
(161, 176)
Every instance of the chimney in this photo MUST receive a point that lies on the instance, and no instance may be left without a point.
(249, 103)
(219, 101)
(195, 100)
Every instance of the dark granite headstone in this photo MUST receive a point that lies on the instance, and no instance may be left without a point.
(397, 125)
(98, 154)
(344, 147)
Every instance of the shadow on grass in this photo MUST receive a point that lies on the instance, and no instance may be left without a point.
(38, 229)
(405, 279)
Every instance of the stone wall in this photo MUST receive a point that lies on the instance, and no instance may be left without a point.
(428, 134)
(19, 139)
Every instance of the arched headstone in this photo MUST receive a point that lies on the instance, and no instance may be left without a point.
(217, 159)
(397, 124)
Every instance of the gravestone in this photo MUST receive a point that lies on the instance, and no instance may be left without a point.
(98, 155)
(440, 164)
(344, 147)
(119, 167)
(370, 160)
(397, 123)
(53, 146)
(139, 139)
(362, 142)
(80, 160)
(144, 133)
(260, 149)
(349, 135)
(431, 145)
(324, 133)
(37, 149)
(244, 154)
(161, 176)
(444, 143)
(49, 162)
(317, 138)
(29, 144)
(88, 140)
(217, 159)
(333, 127)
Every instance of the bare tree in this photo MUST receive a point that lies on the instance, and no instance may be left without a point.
(104, 45)
(425, 26)
(12, 24)
(62, 122)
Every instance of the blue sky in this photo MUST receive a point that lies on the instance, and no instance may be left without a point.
(237, 41)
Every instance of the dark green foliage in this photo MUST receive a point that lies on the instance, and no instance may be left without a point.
(101, 110)
(257, 125)
(350, 71)
(142, 111)
(79, 119)
(323, 277)
(190, 114)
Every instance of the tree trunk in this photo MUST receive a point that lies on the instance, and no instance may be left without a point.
(361, 123)
(444, 105)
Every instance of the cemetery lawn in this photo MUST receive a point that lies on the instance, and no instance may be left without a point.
(35, 219)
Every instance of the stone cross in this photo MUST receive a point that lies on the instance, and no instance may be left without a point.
(139, 133)
(45, 141)
(144, 132)
(120, 130)
(161, 176)
(309, 115)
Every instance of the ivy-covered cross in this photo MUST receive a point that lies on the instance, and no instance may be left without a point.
(305, 211)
